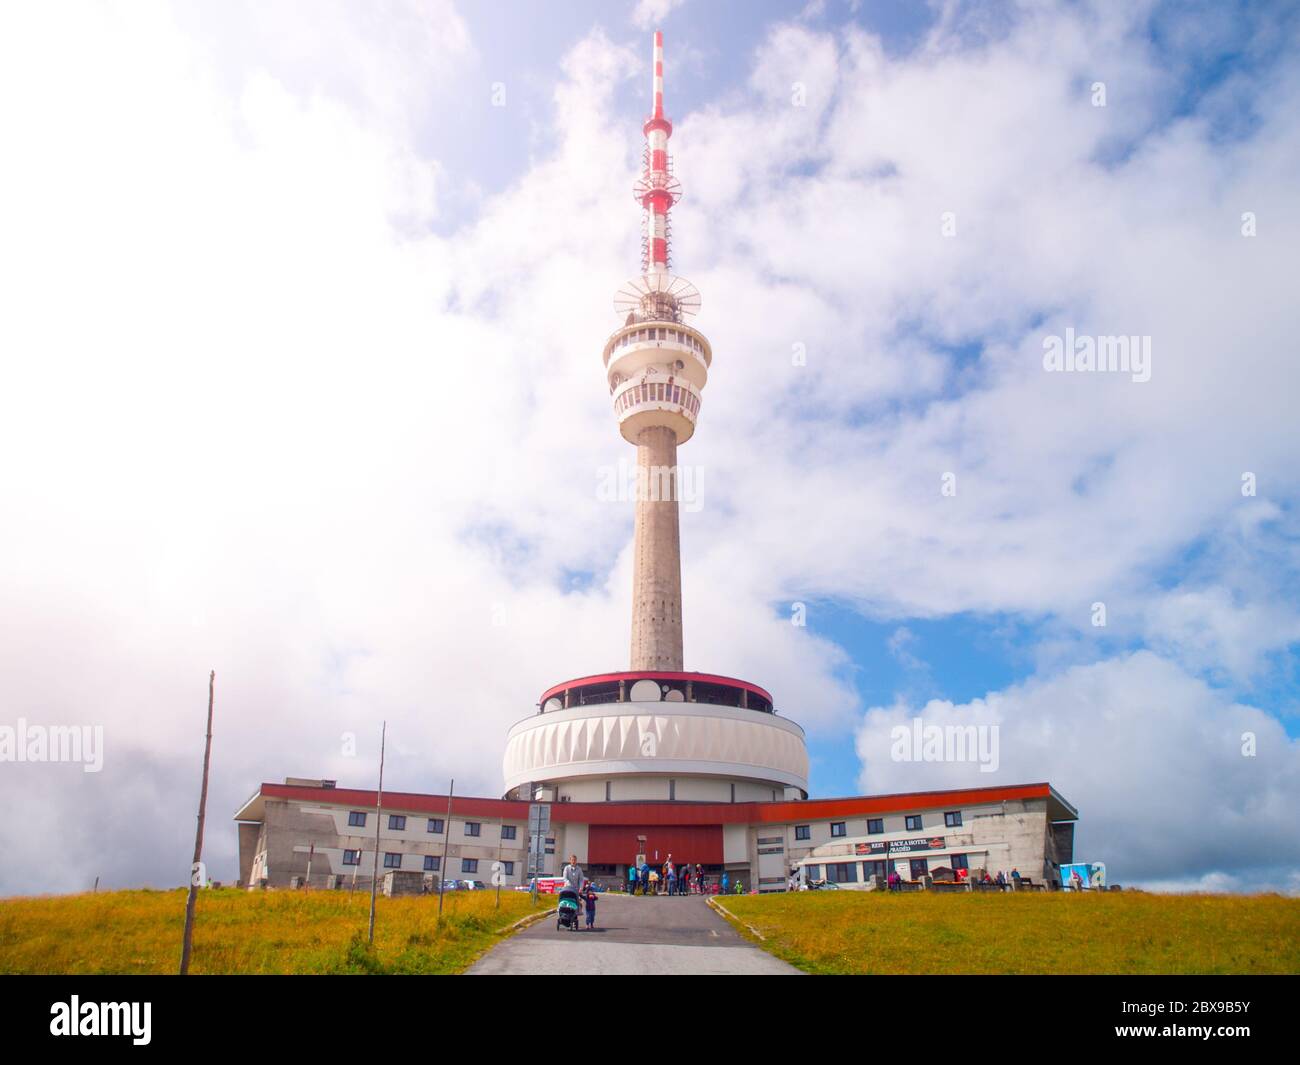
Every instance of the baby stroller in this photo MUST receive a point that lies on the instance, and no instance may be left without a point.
(568, 911)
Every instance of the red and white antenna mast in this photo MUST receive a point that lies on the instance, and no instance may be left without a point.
(657, 295)
(657, 190)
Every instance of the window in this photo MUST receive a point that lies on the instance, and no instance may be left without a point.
(952, 819)
(392, 861)
(397, 822)
(435, 825)
(842, 872)
(813, 872)
(672, 790)
(870, 869)
(959, 861)
(803, 831)
(875, 826)
(507, 831)
(920, 867)
(914, 822)
(357, 819)
(431, 863)
(837, 829)
(469, 865)
(352, 857)
(608, 788)
(508, 868)
(472, 828)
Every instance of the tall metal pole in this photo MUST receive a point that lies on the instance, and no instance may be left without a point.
(198, 836)
(379, 807)
(446, 835)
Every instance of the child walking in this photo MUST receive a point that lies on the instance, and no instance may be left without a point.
(590, 900)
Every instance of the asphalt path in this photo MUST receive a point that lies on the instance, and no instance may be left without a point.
(633, 936)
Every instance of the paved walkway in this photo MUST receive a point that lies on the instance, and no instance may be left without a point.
(633, 937)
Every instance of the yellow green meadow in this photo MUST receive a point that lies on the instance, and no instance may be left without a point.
(239, 931)
(1060, 932)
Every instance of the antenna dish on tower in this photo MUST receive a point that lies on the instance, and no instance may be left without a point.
(657, 297)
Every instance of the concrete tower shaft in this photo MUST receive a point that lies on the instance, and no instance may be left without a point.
(657, 555)
(657, 367)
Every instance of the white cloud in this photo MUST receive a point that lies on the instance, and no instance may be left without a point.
(649, 14)
(1151, 757)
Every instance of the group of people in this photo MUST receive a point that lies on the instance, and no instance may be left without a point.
(579, 888)
(672, 878)
(1002, 880)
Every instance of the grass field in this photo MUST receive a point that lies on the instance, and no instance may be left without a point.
(1129, 932)
(252, 932)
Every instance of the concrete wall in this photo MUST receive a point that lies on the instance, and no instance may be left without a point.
(997, 837)
(249, 834)
(290, 829)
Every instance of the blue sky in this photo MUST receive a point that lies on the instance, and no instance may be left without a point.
(711, 44)
(329, 416)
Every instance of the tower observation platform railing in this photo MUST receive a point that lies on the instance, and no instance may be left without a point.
(674, 688)
(668, 336)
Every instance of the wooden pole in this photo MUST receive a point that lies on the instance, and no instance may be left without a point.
(446, 834)
(196, 865)
(379, 807)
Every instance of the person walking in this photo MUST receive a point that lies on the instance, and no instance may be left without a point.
(724, 881)
(684, 879)
(590, 900)
(645, 878)
(572, 884)
(631, 879)
(573, 878)
(701, 881)
(670, 874)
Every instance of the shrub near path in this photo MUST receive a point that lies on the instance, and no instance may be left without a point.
(252, 932)
(1058, 932)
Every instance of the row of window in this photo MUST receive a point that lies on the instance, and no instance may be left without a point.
(432, 862)
(658, 392)
(847, 872)
(642, 336)
(876, 825)
(397, 823)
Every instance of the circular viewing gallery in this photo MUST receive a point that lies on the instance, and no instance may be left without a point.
(654, 687)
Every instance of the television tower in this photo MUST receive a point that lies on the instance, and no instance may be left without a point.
(657, 366)
(654, 732)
